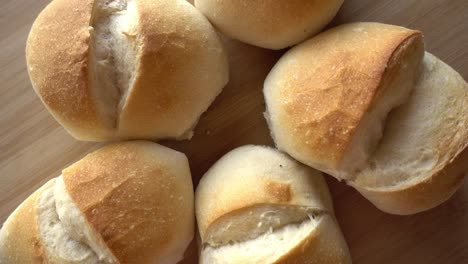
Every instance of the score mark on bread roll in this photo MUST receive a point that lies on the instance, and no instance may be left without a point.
(281, 191)
(257, 205)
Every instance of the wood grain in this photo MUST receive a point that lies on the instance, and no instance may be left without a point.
(34, 148)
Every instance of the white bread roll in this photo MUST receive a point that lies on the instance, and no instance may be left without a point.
(270, 24)
(330, 113)
(257, 205)
(125, 203)
(119, 69)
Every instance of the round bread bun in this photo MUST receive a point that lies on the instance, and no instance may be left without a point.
(257, 205)
(371, 109)
(125, 203)
(270, 24)
(125, 69)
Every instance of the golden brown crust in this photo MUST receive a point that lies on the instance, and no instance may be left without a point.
(179, 73)
(319, 92)
(57, 54)
(138, 196)
(269, 23)
(281, 192)
(422, 195)
(19, 237)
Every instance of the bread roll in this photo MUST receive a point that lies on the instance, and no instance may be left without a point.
(257, 205)
(330, 113)
(120, 69)
(125, 203)
(270, 24)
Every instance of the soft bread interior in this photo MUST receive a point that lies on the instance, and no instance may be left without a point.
(65, 235)
(265, 248)
(58, 244)
(113, 55)
(425, 133)
(399, 78)
(76, 225)
(249, 223)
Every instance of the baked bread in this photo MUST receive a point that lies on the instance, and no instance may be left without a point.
(122, 69)
(331, 114)
(125, 203)
(270, 24)
(257, 205)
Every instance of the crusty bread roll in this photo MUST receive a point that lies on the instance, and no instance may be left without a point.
(257, 205)
(125, 203)
(270, 24)
(119, 69)
(331, 114)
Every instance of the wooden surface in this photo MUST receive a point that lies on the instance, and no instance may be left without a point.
(34, 148)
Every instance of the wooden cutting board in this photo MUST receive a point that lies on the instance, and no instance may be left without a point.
(34, 147)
